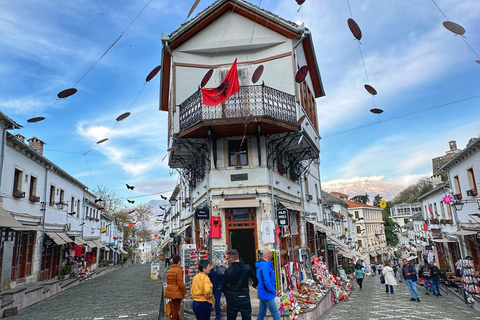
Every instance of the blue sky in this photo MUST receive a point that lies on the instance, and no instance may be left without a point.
(411, 59)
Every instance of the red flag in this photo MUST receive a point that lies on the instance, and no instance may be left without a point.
(228, 87)
(430, 209)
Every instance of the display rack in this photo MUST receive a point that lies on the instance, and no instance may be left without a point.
(219, 255)
(189, 264)
(469, 281)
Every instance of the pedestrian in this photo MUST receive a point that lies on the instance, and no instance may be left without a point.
(176, 289)
(167, 262)
(426, 274)
(435, 278)
(389, 275)
(216, 275)
(399, 273)
(235, 287)
(410, 275)
(380, 268)
(266, 286)
(202, 291)
(374, 269)
(359, 274)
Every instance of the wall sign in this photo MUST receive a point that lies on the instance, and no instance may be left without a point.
(282, 217)
(239, 177)
(202, 213)
(47, 241)
(172, 234)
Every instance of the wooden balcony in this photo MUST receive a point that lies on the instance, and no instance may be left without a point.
(274, 110)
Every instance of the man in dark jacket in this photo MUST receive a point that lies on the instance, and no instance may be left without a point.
(216, 276)
(410, 275)
(266, 286)
(235, 287)
(426, 274)
(435, 272)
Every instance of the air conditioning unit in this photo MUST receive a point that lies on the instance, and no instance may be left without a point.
(472, 192)
(34, 199)
(457, 196)
(309, 197)
(19, 194)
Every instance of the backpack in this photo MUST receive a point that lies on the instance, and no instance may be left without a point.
(426, 272)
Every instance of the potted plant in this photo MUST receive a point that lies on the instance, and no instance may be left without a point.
(322, 248)
(110, 263)
(65, 270)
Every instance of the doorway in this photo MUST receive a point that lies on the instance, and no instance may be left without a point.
(243, 240)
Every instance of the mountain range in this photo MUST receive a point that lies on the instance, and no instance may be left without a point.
(387, 191)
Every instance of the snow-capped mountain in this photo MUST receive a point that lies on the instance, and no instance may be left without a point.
(386, 190)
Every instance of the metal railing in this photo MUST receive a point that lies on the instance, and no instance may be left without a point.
(257, 100)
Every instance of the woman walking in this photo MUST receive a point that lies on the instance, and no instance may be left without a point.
(389, 275)
(202, 291)
(176, 289)
(359, 274)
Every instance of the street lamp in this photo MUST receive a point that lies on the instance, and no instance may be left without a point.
(60, 205)
(458, 205)
(173, 202)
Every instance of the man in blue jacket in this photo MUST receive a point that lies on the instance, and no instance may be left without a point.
(266, 286)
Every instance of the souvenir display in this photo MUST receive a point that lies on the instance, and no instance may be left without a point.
(469, 281)
(189, 258)
(219, 255)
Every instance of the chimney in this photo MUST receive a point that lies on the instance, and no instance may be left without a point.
(20, 137)
(453, 145)
(36, 144)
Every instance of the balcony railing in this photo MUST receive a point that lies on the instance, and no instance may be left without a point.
(256, 100)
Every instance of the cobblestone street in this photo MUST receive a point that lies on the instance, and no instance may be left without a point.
(373, 303)
(126, 293)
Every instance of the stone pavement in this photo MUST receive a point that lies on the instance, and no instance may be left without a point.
(373, 303)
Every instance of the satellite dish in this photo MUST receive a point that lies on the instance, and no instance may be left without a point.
(66, 93)
(36, 119)
(376, 111)
(300, 121)
(454, 27)
(153, 73)
(301, 74)
(207, 77)
(123, 116)
(102, 141)
(247, 119)
(370, 89)
(354, 28)
(257, 74)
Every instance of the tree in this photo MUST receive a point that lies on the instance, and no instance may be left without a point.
(391, 227)
(140, 215)
(376, 200)
(111, 201)
(414, 191)
(361, 199)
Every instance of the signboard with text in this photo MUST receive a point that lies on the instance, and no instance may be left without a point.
(282, 217)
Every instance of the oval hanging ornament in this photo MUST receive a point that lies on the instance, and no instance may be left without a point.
(376, 111)
(153, 73)
(130, 224)
(123, 116)
(300, 2)
(370, 89)
(102, 141)
(425, 227)
(257, 74)
(114, 238)
(36, 119)
(300, 121)
(354, 28)
(156, 235)
(301, 74)
(454, 27)
(66, 93)
(207, 77)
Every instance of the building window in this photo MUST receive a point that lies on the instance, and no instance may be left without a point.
(456, 185)
(72, 209)
(238, 157)
(405, 220)
(442, 209)
(356, 215)
(360, 243)
(435, 210)
(33, 188)
(78, 208)
(17, 182)
(359, 229)
(308, 103)
(62, 195)
(471, 183)
(52, 196)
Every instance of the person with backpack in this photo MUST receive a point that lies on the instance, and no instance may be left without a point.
(216, 276)
(426, 274)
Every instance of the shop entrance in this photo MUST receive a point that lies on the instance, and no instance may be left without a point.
(241, 231)
(243, 240)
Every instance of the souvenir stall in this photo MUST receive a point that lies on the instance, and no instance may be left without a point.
(190, 256)
(469, 280)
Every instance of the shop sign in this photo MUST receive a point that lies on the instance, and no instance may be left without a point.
(428, 248)
(321, 235)
(340, 256)
(47, 241)
(177, 239)
(331, 247)
(202, 213)
(172, 234)
(282, 217)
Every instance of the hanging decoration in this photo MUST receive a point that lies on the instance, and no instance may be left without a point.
(35, 119)
(156, 235)
(370, 89)
(153, 73)
(66, 93)
(103, 229)
(257, 74)
(129, 186)
(114, 238)
(355, 29)
(383, 204)
(425, 227)
(301, 74)
(131, 201)
(206, 77)
(102, 141)
(131, 224)
(453, 27)
(376, 110)
(447, 199)
(123, 116)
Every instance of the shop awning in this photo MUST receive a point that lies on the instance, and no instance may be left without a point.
(56, 238)
(443, 240)
(98, 244)
(28, 228)
(164, 243)
(123, 251)
(181, 230)
(91, 244)
(462, 233)
(79, 240)
(347, 253)
(323, 227)
(247, 203)
(337, 241)
(64, 237)
(291, 206)
(107, 248)
(8, 221)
